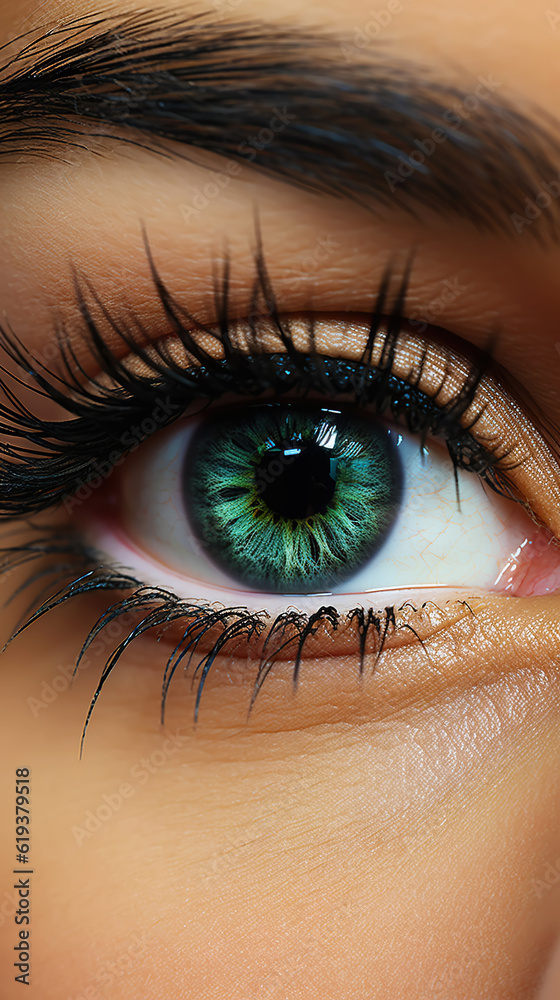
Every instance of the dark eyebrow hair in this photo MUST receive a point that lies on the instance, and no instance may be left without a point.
(379, 130)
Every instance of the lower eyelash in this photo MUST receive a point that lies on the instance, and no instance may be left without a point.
(161, 609)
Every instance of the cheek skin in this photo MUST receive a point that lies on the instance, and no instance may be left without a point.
(304, 852)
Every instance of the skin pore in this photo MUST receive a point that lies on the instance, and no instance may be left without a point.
(379, 837)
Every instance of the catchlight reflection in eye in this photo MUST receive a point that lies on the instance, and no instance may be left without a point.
(292, 498)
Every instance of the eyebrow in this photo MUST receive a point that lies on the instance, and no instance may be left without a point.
(314, 110)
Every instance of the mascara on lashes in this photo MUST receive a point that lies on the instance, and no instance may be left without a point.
(59, 457)
(100, 412)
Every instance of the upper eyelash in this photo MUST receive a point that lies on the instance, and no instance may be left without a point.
(41, 476)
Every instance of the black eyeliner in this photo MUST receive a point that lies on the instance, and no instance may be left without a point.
(111, 415)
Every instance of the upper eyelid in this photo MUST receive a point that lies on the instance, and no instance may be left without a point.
(443, 377)
(132, 338)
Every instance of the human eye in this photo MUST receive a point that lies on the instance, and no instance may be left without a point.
(290, 495)
(304, 474)
(301, 497)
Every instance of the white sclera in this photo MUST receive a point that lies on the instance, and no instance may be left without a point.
(434, 541)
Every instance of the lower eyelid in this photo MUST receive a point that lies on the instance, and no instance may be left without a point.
(465, 652)
(426, 653)
(399, 616)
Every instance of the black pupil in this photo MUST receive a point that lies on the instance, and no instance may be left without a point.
(298, 480)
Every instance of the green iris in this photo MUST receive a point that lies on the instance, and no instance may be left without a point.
(289, 498)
